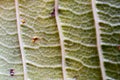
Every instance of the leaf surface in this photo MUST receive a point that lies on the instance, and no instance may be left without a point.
(109, 26)
(60, 39)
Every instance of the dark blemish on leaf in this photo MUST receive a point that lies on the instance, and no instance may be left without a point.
(11, 72)
(75, 77)
(53, 13)
(34, 39)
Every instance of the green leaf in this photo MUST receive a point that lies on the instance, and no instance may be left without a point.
(60, 39)
(109, 26)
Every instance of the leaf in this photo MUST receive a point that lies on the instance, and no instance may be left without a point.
(109, 28)
(59, 39)
(82, 61)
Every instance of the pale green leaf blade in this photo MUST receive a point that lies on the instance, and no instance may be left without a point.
(82, 61)
(109, 21)
(80, 42)
(43, 57)
(10, 54)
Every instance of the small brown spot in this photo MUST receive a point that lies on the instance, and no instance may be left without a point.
(11, 72)
(53, 12)
(23, 21)
(34, 39)
(118, 47)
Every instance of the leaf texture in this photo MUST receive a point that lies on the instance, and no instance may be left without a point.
(109, 23)
(10, 56)
(82, 61)
(60, 39)
(43, 57)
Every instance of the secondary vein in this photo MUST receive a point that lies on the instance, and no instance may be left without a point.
(61, 39)
(20, 39)
(98, 39)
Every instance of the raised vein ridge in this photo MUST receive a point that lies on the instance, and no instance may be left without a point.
(20, 39)
(98, 39)
(61, 39)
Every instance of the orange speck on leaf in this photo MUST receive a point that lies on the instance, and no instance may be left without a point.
(34, 39)
(23, 21)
